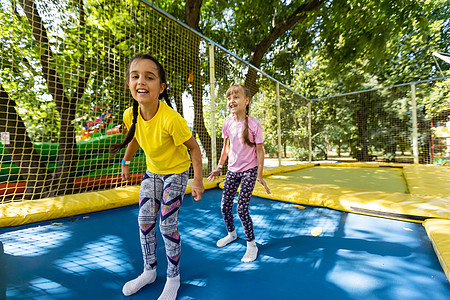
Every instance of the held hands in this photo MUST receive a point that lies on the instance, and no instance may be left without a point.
(260, 180)
(214, 174)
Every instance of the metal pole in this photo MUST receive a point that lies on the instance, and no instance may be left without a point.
(414, 125)
(309, 133)
(213, 106)
(278, 123)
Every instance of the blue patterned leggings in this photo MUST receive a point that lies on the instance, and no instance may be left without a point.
(167, 190)
(247, 181)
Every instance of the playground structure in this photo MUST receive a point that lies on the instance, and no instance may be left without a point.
(58, 158)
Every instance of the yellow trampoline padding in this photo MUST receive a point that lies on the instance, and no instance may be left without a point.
(207, 184)
(283, 169)
(428, 180)
(363, 165)
(429, 198)
(26, 212)
(355, 200)
(20, 213)
(439, 233)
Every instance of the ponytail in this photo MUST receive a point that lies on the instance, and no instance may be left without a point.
(245, 131)
(165, 95)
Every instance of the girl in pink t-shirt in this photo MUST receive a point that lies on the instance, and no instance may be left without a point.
(243, 145)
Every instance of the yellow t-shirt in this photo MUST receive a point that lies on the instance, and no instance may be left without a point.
(162, 139)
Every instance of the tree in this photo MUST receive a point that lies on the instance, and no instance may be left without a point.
(63, 63)
(21, 148)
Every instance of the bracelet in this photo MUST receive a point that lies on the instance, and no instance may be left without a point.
(126, 162)
(219, 166)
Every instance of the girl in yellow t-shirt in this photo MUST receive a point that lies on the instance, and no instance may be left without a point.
(165, 138)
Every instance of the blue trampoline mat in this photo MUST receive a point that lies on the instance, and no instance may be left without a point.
(355, 256)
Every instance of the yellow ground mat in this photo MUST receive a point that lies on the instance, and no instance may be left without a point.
(428, 180)
(360, 191)
(26, 212)
(438, 231)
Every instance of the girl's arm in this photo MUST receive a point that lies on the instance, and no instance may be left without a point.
(196, 157)
(260, 157)
(132, 147)
(223, 157)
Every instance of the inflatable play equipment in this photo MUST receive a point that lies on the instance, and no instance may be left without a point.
(94, 167)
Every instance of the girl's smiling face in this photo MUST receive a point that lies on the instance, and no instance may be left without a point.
(144, 82)
(237, 101)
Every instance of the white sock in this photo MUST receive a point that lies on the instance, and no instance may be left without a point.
(231, 237)
(251, 253)
(171, 288)
(132, 286)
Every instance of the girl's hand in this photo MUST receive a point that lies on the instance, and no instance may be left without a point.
(260, 180)
(125, 172)
(214, 174)
(197, 190)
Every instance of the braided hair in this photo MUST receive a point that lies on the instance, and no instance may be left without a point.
(115, 148)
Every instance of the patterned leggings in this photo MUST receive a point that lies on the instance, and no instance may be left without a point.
(247, 180)
(168, 189)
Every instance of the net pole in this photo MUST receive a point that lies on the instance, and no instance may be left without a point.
(414, 125)
(309, 133)
(213, 106)
(278, 123)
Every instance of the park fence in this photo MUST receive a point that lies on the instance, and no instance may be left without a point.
(389, 124)
(63, 93)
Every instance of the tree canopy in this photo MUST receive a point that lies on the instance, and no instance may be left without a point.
(391, 41)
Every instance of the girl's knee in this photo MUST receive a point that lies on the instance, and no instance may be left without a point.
(146, 220)
(242, 210)
(225, 209)
(168, 228)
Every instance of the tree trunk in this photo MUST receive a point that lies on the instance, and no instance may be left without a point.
(258, 52)
(62, 181)
(192, 16)
(192, 13)
(21, 149)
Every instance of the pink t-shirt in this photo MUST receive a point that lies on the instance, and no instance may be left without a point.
(242, 157)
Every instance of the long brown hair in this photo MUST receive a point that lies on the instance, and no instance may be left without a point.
(235, 89)
(115, 148)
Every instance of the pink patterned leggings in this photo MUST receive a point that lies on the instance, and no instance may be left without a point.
(247, 181)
